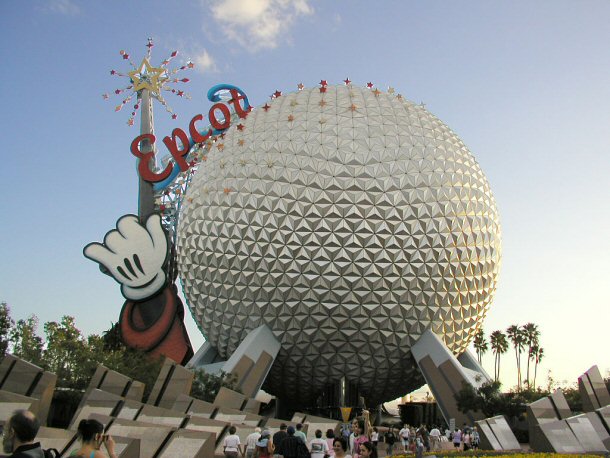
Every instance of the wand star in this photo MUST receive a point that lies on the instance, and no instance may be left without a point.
(148, 77)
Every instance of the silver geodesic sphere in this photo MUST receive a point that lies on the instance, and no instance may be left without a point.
(349, 221)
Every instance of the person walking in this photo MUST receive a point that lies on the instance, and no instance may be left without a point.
(232, 445)
(390, 440)
(318, 447)
(251, 440)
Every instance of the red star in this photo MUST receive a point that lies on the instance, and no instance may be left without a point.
(149, 45)
(180, 93)
(266, 107)
(346, 81)
(369, 85)
(174, 54)
(323, 83)
(174, 116)
(112, 72)
(323, 89)
(190, 64)
(185, 80)
(117, 91)
(240, 127)
(125, 56)
(277, 94)
(300, 86)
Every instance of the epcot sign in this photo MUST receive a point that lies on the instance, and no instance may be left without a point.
(179, 137)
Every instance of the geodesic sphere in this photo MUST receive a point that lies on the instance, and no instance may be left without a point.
(348, 222)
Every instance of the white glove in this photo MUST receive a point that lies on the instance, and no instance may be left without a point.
(134, 255)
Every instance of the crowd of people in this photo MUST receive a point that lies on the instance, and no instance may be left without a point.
(356, 440)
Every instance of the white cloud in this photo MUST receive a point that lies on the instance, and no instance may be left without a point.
(65, 7)
(258, 24)
(204, 62)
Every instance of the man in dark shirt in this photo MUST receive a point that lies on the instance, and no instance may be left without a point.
(292, 446)
(278, 439)
(19, 434)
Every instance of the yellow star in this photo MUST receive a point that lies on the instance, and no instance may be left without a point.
(227, 190)
(390, 90)
(353, 107)
(376, 92)
(220, 146)
(322, 102)
(240, 142)
(148, 77)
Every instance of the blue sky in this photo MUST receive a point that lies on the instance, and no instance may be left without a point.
(526, 85)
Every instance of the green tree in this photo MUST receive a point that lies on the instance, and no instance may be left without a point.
(480, 344)
(517, 337)
(25, 343)
(206, 386)
(538, 354)
(499, 346)
(6, 324)
(67, 354)
(532, 335)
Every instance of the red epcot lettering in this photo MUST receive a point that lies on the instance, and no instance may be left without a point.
(226, 113)
(197, 137)
(178, 153)
(144, 165)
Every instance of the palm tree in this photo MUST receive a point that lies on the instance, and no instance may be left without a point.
(499, 345)
(480, 344)
(538, 355)
(516, 336)
(532, 335)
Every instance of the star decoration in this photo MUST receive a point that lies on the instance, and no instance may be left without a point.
(220, 146)
(347, 81)
(376, 92)
(240, 142)
(422, 104)
(148, 77)
(369, 85)
(323, 89)
(181, 93)
(353, 107)
(322, 121)
(277, 94)
(322, 103)
(227, 190)
(399, 97)
(323, 83)
(242, 162)
(290, 118)
(266, 107)
(204, 158)
(300, 86)
(174, 116)
(390, 90)
(240, 127)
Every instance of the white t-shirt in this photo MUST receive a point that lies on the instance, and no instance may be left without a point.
(318, 448)
(374, 436)
(232, 443)
(404, 434)
(435, 432)
(251, 440)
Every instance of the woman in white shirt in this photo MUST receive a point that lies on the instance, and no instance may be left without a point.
(231, 444)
